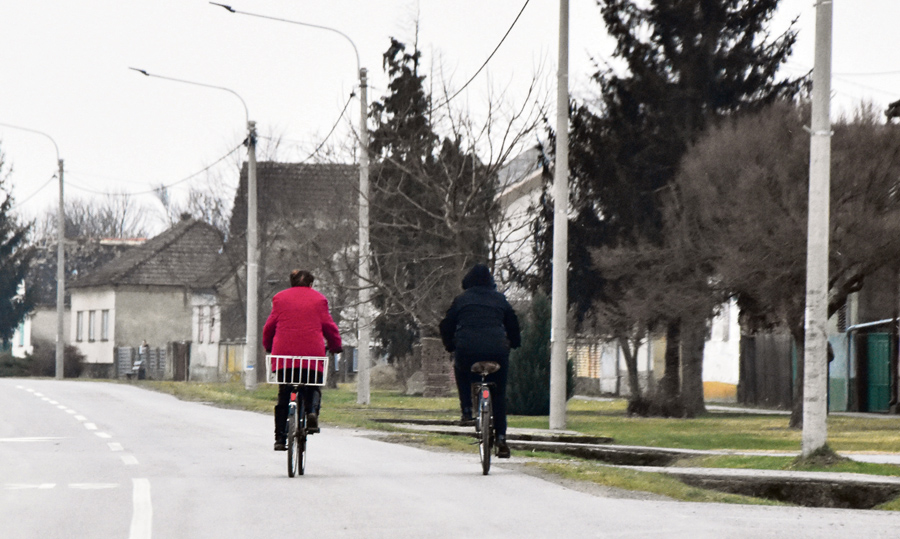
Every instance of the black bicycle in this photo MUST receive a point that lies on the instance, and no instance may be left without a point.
(484, 412)
(302, 373)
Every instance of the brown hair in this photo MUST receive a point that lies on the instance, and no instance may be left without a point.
(302, 278)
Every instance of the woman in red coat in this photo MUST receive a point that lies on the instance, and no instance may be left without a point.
(299, 325)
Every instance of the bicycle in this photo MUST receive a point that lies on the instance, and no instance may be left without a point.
(298, 372)
(484, 412)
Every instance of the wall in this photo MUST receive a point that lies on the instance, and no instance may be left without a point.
(721, 355)
(205, 335)
(98, 350)
(157, 314)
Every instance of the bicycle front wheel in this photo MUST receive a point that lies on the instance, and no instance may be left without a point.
(487, 429)
(292, 446)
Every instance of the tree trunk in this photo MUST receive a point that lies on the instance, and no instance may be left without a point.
(666, 402)
(692, 366)
(799, 344)
(634, 384)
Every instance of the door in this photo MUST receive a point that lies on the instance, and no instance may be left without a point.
(878, 358)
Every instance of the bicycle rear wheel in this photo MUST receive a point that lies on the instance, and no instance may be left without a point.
(292, 446)
(484, 443)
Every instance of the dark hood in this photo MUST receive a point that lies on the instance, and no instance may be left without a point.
(479, 275)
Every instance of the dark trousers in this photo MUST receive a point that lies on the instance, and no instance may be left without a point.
(462, 369)
(312, 397)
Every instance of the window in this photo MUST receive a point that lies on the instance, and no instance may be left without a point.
(104, 325)
(200, 323)
(92, 325)
(79, 326)
(212, 323)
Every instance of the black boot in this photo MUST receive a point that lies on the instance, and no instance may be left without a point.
(312, 418)
(502, 448)
(466, 417)
(280, 427)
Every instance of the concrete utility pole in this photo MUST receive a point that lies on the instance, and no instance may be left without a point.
(60, 259)
(558, 330)
(815, 354)
(252, 348)
(60, 278)
(363, 316)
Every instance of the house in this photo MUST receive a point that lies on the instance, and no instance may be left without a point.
(307, 218)
(160, 292)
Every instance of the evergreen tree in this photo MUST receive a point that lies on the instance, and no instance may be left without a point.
(688, 65)
(15, 259)
(431, 209)
(528, 385)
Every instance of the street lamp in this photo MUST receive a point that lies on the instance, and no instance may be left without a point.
(60, 258)
(252, 345)
(364, 317)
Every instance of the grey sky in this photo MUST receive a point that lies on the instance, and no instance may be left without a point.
(64, 71)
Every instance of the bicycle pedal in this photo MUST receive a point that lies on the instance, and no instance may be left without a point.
(312, 430)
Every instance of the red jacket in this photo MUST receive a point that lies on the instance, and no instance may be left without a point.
(300, 324)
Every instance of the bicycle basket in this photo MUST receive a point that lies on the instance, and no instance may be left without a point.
(297, 370)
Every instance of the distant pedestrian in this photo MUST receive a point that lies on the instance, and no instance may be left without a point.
(481, 325)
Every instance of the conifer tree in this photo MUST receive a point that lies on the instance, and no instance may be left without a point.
(15, 259)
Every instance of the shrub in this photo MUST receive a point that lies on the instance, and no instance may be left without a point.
(12, 366)
(42, 361)
(528, 388)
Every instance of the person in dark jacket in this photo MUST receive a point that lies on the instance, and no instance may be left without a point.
(481, 326)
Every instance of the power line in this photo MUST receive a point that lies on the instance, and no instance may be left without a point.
(164, 186)
(488, 58)
(32, 195)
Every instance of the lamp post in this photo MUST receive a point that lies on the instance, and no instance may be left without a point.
(252, 345)
(364, 317)
(60, 257)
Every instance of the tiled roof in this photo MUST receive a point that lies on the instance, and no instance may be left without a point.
(188, 254)
(295, 191)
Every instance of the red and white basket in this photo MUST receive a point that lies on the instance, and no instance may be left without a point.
(309, 371)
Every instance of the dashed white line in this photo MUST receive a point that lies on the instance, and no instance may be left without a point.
(80, 418)
(90, 426)
(30, 390)
(47, 399)
(36, 394)
(30, 439)
(52, 401)
(92, 486)
(70, 411)
(130, 460)
(103, 435)
(61, 406)
(23, 486)
(115, 446)
(142, 517)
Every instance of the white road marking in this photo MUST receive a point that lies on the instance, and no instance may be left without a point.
(103, 435)
(129, 460)
(92, 486)
(90, 426)
(52, 402)
(36, 394)
(24, 486)
(80, 418)
(142, 517)
(19, 387)
(31, 439)
(115, 446)
(61, 406)
(30, 390)
(44, 398)
(70, 411)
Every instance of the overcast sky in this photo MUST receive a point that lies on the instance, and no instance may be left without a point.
(64, 71)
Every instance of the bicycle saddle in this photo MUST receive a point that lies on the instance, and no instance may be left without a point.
(485, 367)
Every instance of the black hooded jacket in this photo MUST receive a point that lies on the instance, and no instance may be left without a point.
(480, 321)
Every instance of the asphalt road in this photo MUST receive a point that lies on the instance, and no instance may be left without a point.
(98, 460)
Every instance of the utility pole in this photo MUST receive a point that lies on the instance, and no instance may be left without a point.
(815, 354)
(60, 279)
(364, 317)
(60, 258)
(252, 347)
(558, 330)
